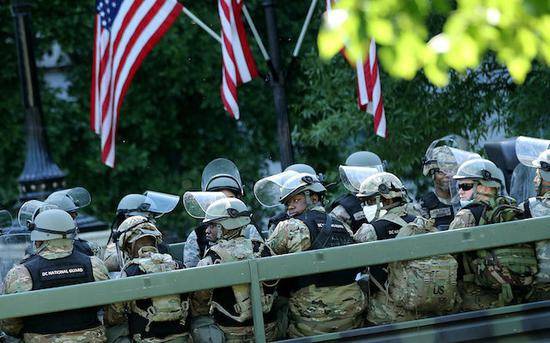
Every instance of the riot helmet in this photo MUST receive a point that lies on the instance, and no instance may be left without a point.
(196, 203)
(134, 228)
(543, 164)
(230, 213)
(445, 159)
(377, 187)
(365, 159)
(385, 185)
(221, 174)
(268, 190)
(353, 176)
(70, 200)
(301, 168)
(52, 224)
(483, 171)
(149, 204)
(301, 183)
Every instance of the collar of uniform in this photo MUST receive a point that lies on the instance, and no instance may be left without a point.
(443, 200)
(56, 248)
(398, 210)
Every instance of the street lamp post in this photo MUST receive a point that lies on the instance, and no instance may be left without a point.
(40, 175)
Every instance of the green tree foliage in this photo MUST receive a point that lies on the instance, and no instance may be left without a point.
(517, 31)
(172, 122)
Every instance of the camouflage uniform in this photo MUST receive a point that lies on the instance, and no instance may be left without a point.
(19, 280)
(316, 310)
(238, 326)
(192, 251)
(473, 296)
(390, 291)
(536, 207)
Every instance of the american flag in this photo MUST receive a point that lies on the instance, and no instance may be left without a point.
(369, 89)
(125, 32)
(238, 63)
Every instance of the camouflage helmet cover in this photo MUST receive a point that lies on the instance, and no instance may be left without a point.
(383, 184)
(134, 228)
(230, 213)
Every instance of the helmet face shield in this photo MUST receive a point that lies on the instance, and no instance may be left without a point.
(5, 219)
(352, 176)
(196, 203)
(230, 213)
(445, 159)
(529, 149)
(162, 203)
(268, 190)
(70, 200)
(30, 209)
(221, 174)
(301, 168)
(300, 183)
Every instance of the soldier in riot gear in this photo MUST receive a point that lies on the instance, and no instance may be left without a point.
(151, 205)
(158, 319)
(348, 208)
(71, 201)
(535, 153)
(56, 263)
(231, 307)
(441, 163)
(384, 201)
(220, 175)
(511, 269)
(384, 198)
(277, 218)
(338, 298)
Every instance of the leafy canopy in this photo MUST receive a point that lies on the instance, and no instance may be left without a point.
(517, 31)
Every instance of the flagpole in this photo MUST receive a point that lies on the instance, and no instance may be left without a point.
(255, 33)
(304, 28)
(202, 25)
(277, 83)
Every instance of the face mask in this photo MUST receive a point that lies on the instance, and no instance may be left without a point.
(372, 212)
(464, 203)
(146, 251)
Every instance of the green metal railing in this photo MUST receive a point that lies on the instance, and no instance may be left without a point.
(277, 267)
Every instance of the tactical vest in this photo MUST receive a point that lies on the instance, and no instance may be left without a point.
(70, 270)
(503, 268)
(537, 207)
(159, 316)
(232, 306)
(325, 232)
(83, 246)
(442, 214)
(353, 207)
(386, 228)
(202, 241)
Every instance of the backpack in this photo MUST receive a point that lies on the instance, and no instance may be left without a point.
(427, 285)
(502, 268)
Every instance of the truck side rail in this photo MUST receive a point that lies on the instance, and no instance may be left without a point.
(276, 267)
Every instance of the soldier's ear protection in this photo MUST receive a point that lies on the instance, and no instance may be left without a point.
(545, 166)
